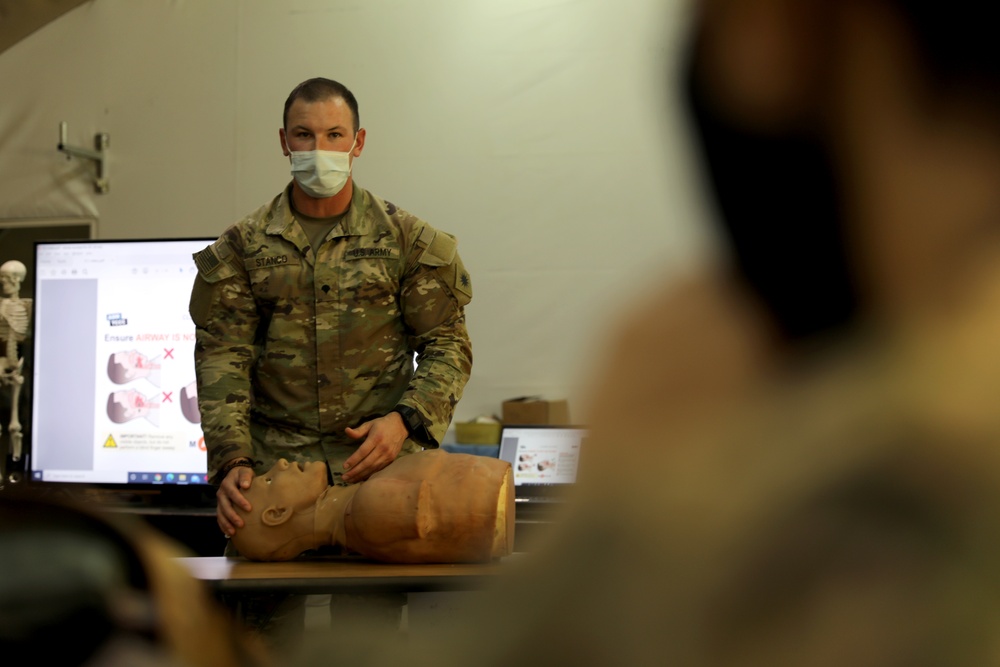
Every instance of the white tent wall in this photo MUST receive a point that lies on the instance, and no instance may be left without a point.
(544, 134)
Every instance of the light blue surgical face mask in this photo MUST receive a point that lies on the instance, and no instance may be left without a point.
(322, 174)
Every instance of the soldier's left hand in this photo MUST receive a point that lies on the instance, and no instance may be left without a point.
(383, 440)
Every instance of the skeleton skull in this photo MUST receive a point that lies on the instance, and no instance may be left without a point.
(12, 274)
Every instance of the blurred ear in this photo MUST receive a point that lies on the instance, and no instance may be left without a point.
(275, 515)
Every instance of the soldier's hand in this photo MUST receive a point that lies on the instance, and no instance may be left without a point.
(229, 496)
(383, 440)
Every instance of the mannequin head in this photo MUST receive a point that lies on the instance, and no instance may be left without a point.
(281, 524)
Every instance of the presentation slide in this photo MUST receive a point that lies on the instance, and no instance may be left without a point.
(547, 457)
(116, 399)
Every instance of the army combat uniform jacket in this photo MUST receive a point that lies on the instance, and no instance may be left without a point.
(295, 344)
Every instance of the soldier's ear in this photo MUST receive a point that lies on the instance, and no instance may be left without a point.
(359, 142)
(284, 141)
(275, 515)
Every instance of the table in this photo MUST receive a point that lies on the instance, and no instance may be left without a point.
(341, 574)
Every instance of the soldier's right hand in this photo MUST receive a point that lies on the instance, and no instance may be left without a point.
(229, 496)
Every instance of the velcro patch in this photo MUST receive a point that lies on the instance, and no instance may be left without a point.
(209, 259)
(206, 260)
(213, 262)
(441, 250)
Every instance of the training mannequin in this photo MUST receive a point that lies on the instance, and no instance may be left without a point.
(428, 507)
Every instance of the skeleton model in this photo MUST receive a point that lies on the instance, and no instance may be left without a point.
(15, 320)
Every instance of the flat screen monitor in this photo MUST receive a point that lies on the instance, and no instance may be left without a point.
(544, 459)
(113, 396)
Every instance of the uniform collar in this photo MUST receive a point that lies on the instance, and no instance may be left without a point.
(356, 222)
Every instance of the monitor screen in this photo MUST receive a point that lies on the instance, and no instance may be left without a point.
(114, 400)
(542, 455)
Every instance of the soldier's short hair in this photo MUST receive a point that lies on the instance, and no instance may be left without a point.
(317, 89)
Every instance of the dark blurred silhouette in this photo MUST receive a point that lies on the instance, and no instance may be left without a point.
(795, 458)
(80, 587)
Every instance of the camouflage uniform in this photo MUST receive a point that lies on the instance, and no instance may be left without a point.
(295, 344)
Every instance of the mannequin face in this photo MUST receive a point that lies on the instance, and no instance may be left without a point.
(277, 496)
(286, 488)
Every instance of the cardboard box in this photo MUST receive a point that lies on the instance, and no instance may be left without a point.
(477, 433)
(535, 410)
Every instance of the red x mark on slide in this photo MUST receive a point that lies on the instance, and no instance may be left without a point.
(167, 397)
(168, 353)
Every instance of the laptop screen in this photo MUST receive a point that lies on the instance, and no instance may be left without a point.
(544, 458)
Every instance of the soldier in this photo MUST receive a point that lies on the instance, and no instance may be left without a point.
(311, 311)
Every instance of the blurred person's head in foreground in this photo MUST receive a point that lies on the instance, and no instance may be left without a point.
(848, 513)
(851, 151)
(80, 586)
(853, 148)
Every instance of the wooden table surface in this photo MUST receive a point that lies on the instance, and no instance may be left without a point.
(339, 574)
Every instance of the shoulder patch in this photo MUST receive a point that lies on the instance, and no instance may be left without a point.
(206, 260)
(463, 283)
(211, 261)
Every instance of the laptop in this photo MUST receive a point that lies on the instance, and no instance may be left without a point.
(544, 460)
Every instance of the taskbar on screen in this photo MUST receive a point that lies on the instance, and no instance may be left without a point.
(117, 477)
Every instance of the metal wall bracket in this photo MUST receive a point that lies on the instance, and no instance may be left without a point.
(98, 154)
